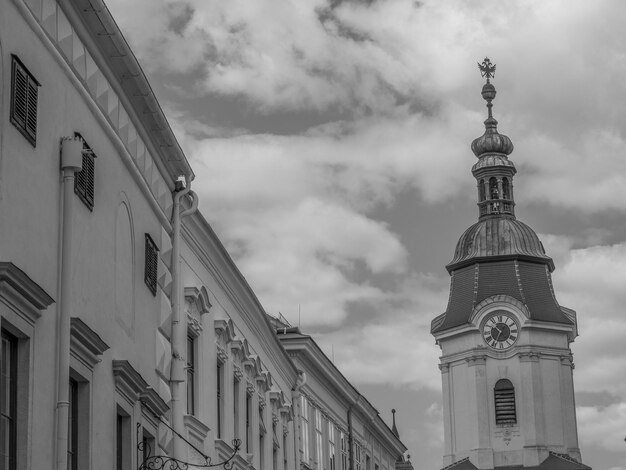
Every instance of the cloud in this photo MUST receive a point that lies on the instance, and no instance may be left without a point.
(603, 426)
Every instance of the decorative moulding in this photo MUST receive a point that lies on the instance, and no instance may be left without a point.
(199, 297)
(194, 325)
(225, 329)
(237, 372)
(222, 355)
(20, 291)
(196, 428)
(128, 382)
(152, 400)
(85, 343)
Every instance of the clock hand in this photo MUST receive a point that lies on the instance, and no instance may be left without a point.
(499, 333)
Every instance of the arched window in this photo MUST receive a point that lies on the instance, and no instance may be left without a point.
(493, 188)
(506, 193)
(481, 190)
(504, 395)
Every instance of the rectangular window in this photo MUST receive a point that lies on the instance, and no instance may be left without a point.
(150, 270)
(319, 438)
(344, 450)
(191, 371)
(236, 395)
(248, 424)
(331, 447)
(8, 402)
(262, 432)
(306, 454)
(84, 180)
(123, 440)
(357, 456)
(24, 91)
(220, 398)
(72, 437)
(147, 444)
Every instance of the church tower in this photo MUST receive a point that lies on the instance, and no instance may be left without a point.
(506, 364)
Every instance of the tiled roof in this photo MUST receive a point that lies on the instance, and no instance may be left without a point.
(525, 281)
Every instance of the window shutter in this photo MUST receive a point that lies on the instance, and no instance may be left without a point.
(504, 395)
(20, 95)
(24, 94)
(31, 119)
(150, 271)
(84, 180)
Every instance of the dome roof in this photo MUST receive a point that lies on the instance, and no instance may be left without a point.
(503, 237)
(491, 141)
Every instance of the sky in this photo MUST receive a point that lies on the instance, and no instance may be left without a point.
(331, 145)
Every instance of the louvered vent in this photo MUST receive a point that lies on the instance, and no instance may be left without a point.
(505, 402)
(150, 271)
(84, 180)
(24, 93)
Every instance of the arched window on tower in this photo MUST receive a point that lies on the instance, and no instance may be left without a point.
(481, 191)
(506, 193)
(504, 398)
(493, 188)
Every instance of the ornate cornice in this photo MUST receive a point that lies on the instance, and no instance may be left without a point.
(22, 292)
(199, 297)
(85, 343)
(128, 382)
(529, 356)
(152, 400)
(225, 329)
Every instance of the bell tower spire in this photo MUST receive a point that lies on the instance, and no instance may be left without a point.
(493, 171)
(506, 363)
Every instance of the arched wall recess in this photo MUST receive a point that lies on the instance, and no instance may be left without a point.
(124, 266)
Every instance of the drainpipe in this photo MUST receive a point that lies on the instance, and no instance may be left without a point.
(295, 400)
(71, 162)
(351, 433)
(178, 337)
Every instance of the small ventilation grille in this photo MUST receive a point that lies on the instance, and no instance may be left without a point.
(24, 93)
(505, 402)
(150, 271)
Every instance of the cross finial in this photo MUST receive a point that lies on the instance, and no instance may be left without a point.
(487, 69)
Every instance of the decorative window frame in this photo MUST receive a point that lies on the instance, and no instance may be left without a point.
(21, 304)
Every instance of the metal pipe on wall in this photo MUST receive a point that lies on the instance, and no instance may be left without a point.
(71, 162)
(179, 325)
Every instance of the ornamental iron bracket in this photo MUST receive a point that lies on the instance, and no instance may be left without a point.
(147, 461)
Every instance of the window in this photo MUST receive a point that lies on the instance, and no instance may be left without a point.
(150, 271)
(191, 371)
(331, 447)
(24, 91)
(123, 440)
(358, 456)
(219, 397)
(147, 444)
(8, 402)
(84, 180)
(504, 395)
(248, 417)
(506, 189)
(344, 450)
(236, 392)
(306, 455)
(319, 438)
(262, 432)
(72, 437)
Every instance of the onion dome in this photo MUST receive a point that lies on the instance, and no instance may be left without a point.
(491, 141)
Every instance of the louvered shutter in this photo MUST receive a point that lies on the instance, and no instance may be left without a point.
(504, 398)
(31, 117)
(19, 104)
(150, 270)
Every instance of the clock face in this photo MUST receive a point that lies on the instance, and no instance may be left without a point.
(500, 331)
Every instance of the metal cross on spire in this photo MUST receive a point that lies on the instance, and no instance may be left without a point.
(487, 69)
